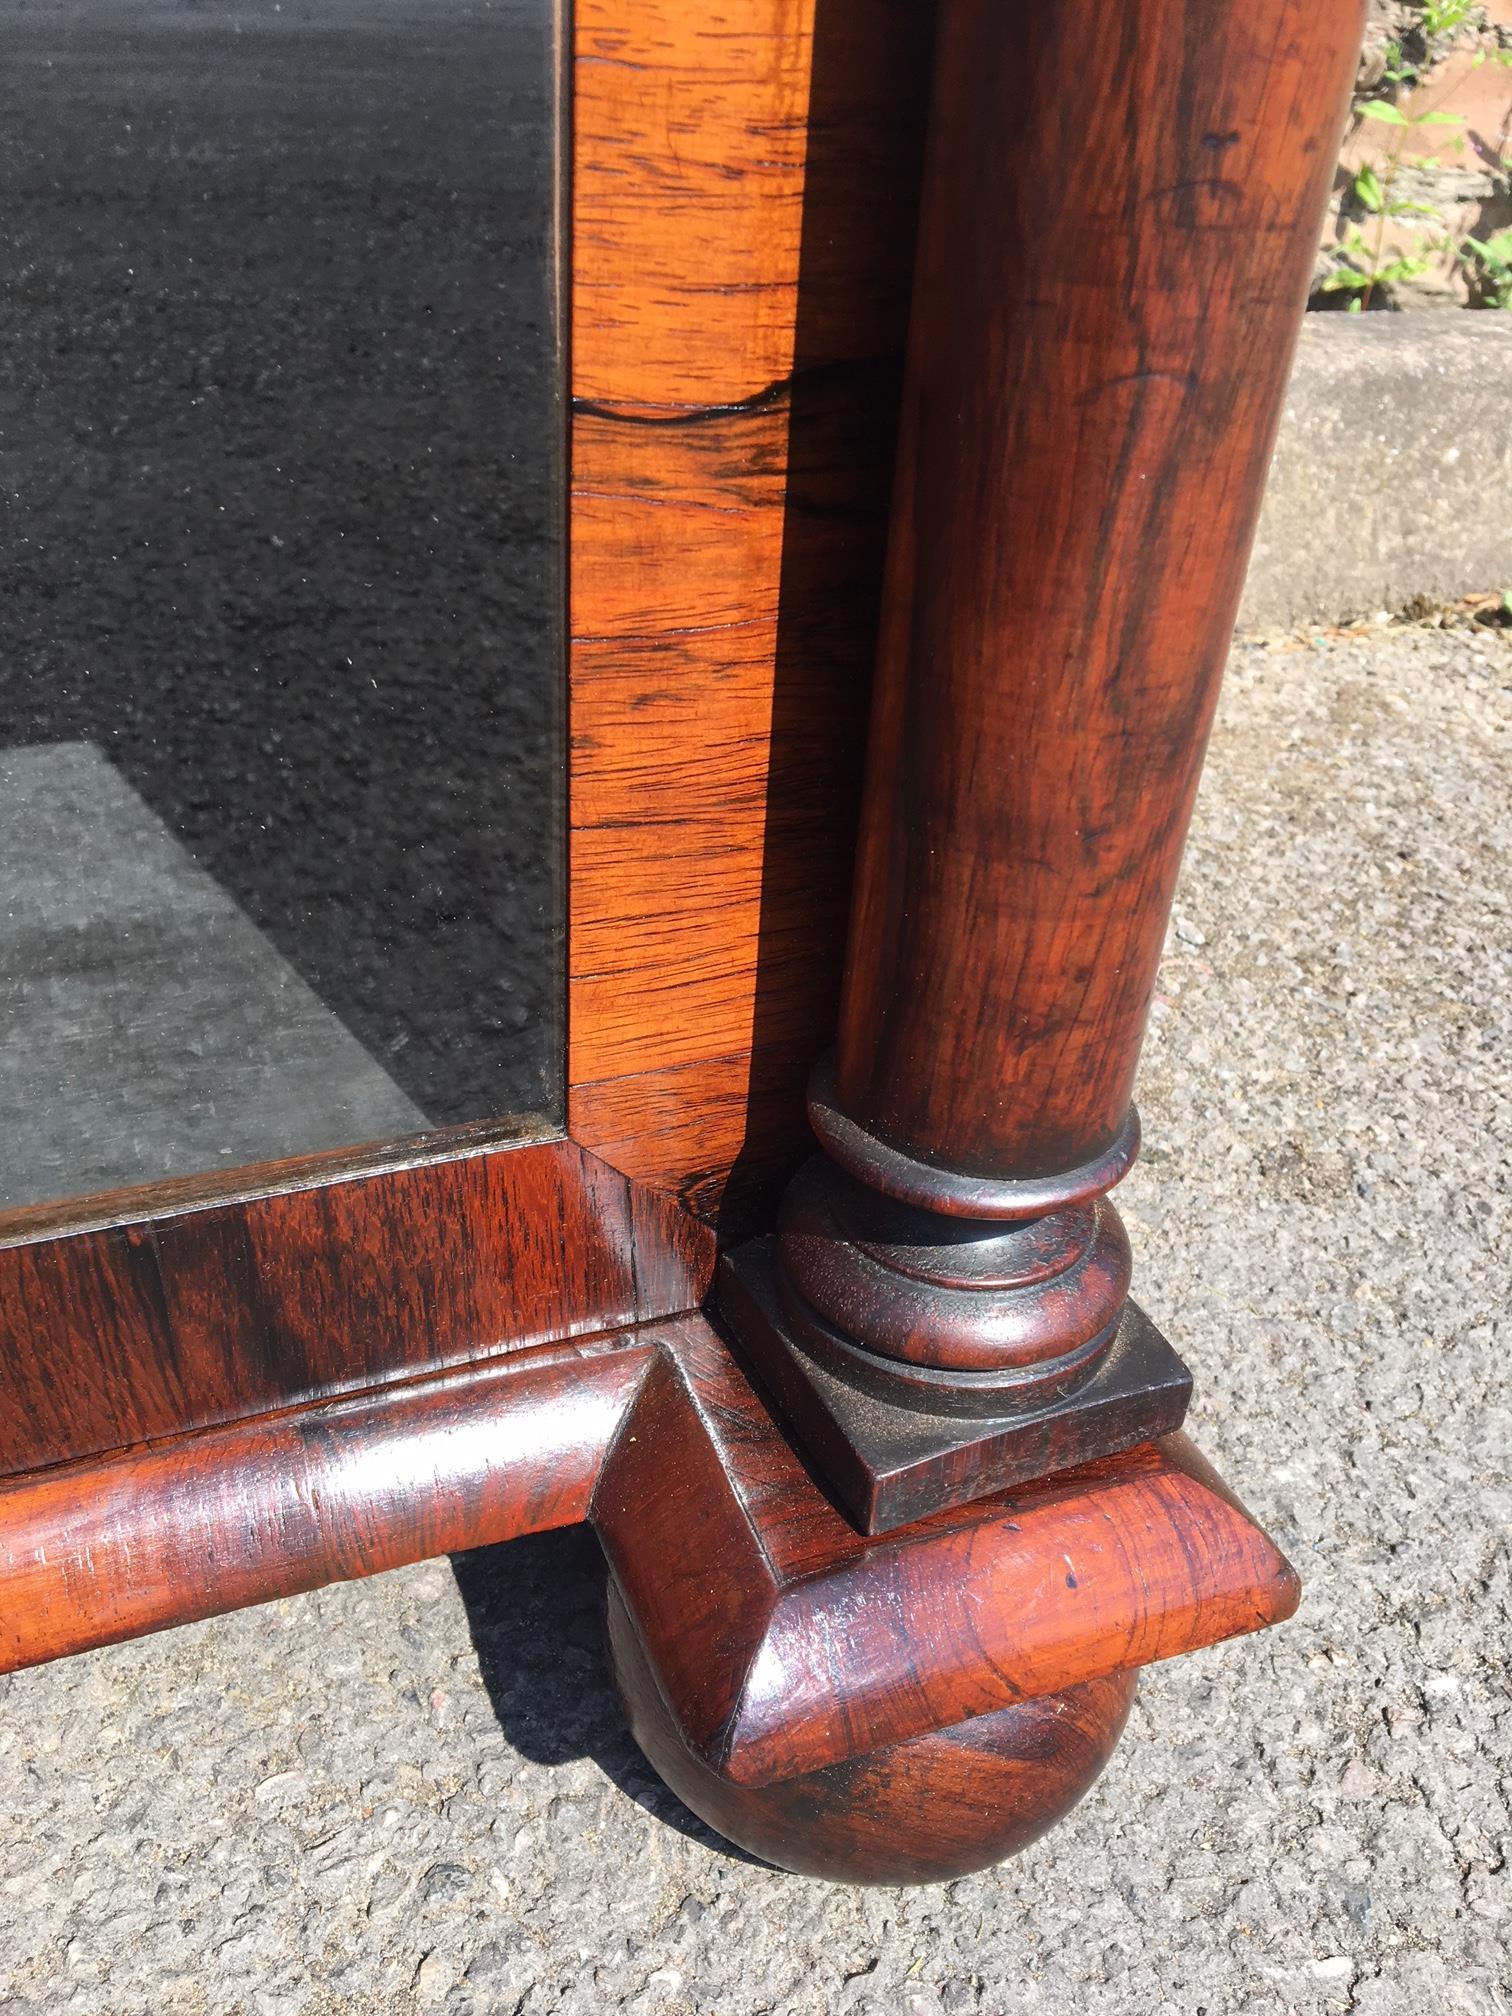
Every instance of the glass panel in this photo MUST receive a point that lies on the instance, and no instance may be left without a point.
(280, 395)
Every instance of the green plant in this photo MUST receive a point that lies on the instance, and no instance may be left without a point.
(1439, 26)
(1373, 192)
(1491, 263)
(1447, 17)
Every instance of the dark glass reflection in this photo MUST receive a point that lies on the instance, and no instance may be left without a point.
(279, 689)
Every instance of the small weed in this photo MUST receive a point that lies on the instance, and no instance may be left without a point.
(1490, 264)
(1368, 271)
(1373, 188)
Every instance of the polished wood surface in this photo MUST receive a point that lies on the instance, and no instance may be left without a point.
(863, 1709)
(222, 1400)
(784, 1641)
(145, 1329)
(1094, 377)
(895, 1441)
(743, 193)
(734, 1565)
(99, 1551)
(922, 1811)
(1096, 368)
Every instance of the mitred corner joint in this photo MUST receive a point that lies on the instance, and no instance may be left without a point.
(905, 1708)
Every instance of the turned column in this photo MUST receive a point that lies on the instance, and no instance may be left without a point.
(1120, 210)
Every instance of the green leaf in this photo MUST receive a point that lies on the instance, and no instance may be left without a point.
(1389, 115)
(1367, 187)
(1343, 278)
(1494, 255)
(1506, 601)
(1356, 306)
(1437, 119)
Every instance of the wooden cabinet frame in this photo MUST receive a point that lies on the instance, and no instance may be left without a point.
(223, 1390)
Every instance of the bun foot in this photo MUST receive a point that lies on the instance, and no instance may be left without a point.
(923, 1810)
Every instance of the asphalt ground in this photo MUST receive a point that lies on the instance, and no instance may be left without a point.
(416, 1793)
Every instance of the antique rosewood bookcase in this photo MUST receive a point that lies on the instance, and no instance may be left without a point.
(924, 365)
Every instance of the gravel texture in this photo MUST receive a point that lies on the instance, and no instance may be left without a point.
(416, 1792)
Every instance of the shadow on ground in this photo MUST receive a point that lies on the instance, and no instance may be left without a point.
(524, 1602)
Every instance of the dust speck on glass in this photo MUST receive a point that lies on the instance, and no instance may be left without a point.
(280, 629)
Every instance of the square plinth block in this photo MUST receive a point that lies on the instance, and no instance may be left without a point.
(889, 1464)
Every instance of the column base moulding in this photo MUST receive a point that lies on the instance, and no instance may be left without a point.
(884, 1709)
(890, 1456)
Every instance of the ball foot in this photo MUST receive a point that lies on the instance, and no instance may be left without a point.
(923, 1810)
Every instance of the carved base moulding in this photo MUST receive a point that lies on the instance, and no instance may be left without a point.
(889, 1463)
(888, 1709)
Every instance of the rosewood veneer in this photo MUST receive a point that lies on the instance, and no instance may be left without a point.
(886, 1467)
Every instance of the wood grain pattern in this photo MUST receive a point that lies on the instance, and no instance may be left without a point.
(742, 192)
(863, 1709)
(784, 1642)
(146, 1329)
(1095, 374)
(94, 1552)
(926, 1810)
(735, 1566)
(1093, 382)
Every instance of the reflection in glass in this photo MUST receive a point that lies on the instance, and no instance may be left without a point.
(279, 696)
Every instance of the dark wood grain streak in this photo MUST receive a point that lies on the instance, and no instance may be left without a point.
(148, 1329)
(1095, 373)
(94, 1552)
(743, 191)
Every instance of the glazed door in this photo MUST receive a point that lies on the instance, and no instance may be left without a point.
(317, 1074)
(281, 662)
